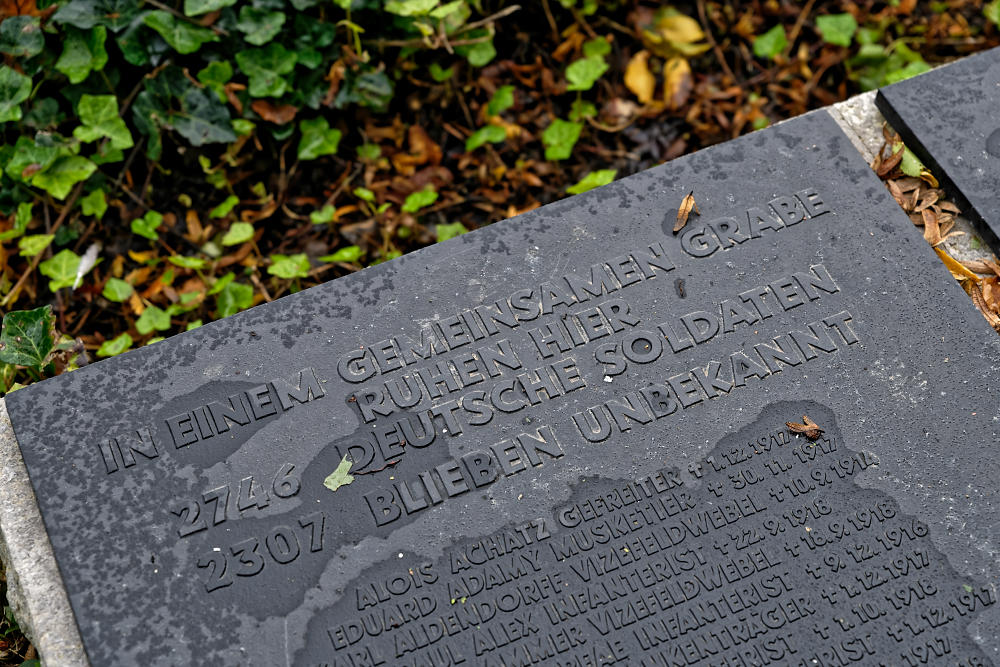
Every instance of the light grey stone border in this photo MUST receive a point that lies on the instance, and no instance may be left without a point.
(34, 586)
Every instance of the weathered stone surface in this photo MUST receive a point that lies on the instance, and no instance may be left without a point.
(609, 477)
(949, 117)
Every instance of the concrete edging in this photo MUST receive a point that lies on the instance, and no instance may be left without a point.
(34, 586)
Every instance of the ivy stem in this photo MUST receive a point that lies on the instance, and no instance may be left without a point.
(38, 258)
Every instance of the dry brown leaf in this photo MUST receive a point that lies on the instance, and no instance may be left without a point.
(423, 150)
(194, 228)
(687, 206)
(949, 206)
(984, 308)
(927, 198)
(932, 232)
(977, 266)
(279, 114)
(888, 164)
(896, 192)
(639, 79)
(808, 428)
(677, 82)
(909, 183)
(991, 293)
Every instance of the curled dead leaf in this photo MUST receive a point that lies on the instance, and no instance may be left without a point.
(808, 428)
(639, 79)
(888, 164)
(687, 206)
(983, 307)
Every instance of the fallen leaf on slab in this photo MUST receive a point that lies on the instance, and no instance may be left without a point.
(687, 206)
(808, 428)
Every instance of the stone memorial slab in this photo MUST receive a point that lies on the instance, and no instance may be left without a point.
(950, 117)
(558, 440)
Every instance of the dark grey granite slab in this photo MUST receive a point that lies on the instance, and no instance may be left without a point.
(950, 117)
(565, 442)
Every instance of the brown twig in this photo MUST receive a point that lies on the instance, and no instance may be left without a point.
(719, 55)
(552, 21)
(38, 258)
(797, 28)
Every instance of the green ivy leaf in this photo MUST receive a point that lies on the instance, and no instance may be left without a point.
(61, 269)
(449, 231)
(323, 215)
(225, 208)
(583, 73)
(152, 318)
(198, 7)
(99, 115)
(232, 298)
(259, 26)
(837, 29)
(289, 266)
(410, 7)
(120, 343)
(112, 14)
(63, 174)
(318, 138)
(146, 225)
(992, 12)
(182, 36)
(341, 476)
(14, 89)
(21, 36)
(30, 154)
(594, 179)
(117, 290)
(582, 109)
(215, 75)
(441, 75)
(94, 204)
(29, 246)
(239, 232)
(419, 199)
(911, 164)
(771, 43)
(26, 337)
(502, 100)
(480, 53)
(83, 52)
(350, 254)
(596, 47)
(21, 220)
(910, 70)
(196, 263)
(491, 133)
(265, 67)
(559, 138)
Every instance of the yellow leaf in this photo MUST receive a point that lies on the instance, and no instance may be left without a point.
(639, 79)
(677, 82)
(966, 277)
(679, 29)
